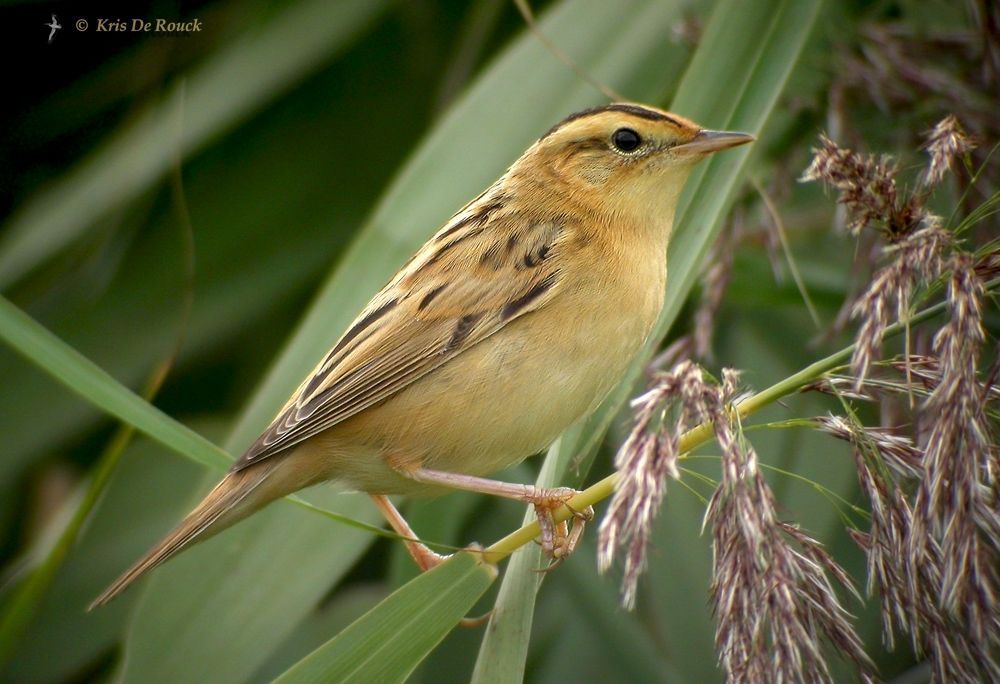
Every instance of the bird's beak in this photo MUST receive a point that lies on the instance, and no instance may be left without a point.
(707, 142)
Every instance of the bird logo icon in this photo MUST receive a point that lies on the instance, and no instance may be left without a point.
(54, 26)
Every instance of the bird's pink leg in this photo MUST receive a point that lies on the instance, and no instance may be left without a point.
(422, 556)
(557, 541)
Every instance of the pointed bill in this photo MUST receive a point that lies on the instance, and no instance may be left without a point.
(706, 142)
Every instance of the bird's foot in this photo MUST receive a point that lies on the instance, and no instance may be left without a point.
(558, 539)
(424, 557)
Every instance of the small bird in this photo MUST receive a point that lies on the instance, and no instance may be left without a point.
(54, 26)
(513, 321)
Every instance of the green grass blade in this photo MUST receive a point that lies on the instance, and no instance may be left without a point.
(226, 604)
(20, 610)
(235, 198)
(332, 617)
(148, 492)
(81, 376)
(86, 379)
(502, 651)
(389, 641)
(227, 89)
(751, 47)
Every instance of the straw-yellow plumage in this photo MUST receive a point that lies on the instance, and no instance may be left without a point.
(513, 321)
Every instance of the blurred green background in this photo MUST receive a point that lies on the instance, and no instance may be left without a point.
(295, 154)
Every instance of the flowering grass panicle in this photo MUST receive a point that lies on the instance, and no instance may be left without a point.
(956, 501)
(867, 187)
(933, 545)
(917, 259)
(898, 452)
(644, 462)
(910, 581)
(906, 72)
(945, 143)
(917, 245)
(932, 542)
(771, 588)
(771, 591)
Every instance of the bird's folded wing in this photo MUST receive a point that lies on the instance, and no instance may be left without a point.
(455, 293)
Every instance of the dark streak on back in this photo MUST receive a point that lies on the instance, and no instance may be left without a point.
(429, 297)
(479, 218)
(511, 309)
(473, 232)
(478, 221)
(491, 255)
(462, 330)
(457, 226)
(355, 330)
(532, 259)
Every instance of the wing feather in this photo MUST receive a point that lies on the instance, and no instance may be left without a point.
(454, 294)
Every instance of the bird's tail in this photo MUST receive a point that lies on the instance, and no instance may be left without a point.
(238, 495)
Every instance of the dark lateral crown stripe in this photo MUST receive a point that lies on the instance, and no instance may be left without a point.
(634, 110)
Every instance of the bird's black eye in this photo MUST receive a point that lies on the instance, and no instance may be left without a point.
(626, 140)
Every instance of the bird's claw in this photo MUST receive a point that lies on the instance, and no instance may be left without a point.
(559, 540)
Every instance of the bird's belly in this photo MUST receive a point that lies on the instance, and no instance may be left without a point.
(502, 400)
(524, 393)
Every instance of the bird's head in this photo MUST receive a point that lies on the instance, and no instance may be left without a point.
(626, 155)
